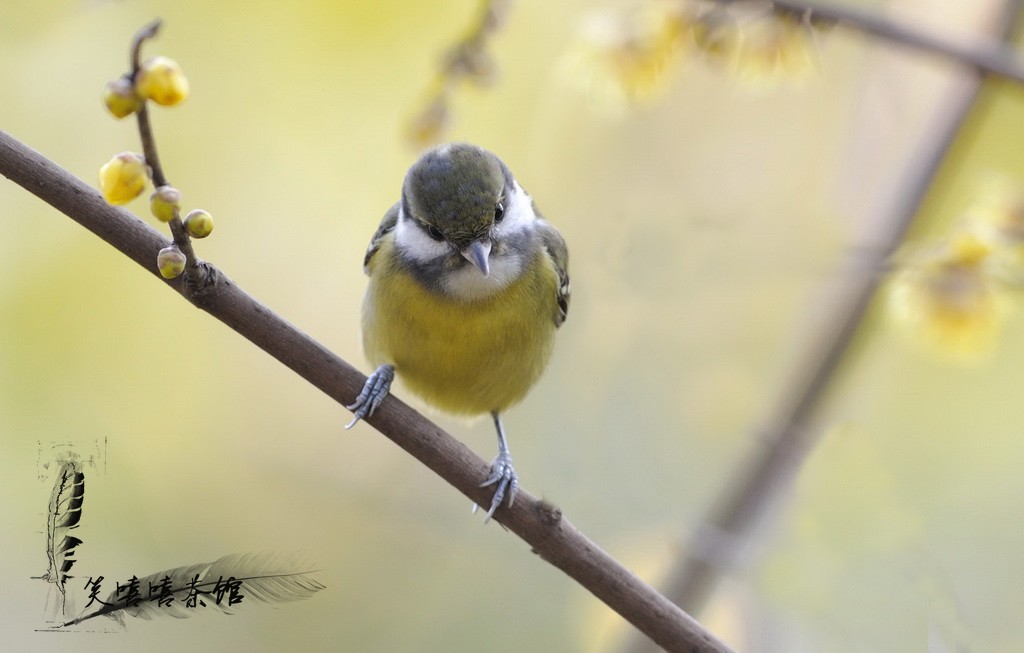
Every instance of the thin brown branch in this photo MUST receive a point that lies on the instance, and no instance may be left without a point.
(718, 544)
(538, 523)
(992, 58)
(145, 127)
(145, 33)
(193, 271)
(149, 150)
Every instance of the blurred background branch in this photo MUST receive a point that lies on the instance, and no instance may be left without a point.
(467, 60)
(997, 58)
(719, 543)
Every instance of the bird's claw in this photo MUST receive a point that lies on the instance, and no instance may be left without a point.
(374, 391)
(506, 483)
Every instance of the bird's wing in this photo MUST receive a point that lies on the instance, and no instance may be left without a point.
(554, 245)
(387, 225)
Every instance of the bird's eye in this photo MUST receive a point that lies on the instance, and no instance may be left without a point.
(434, 232)
(499, 211)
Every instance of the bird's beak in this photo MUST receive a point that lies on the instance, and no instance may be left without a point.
(477, 252)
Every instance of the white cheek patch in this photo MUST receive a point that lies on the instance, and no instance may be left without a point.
(417, 245)
(519, 213)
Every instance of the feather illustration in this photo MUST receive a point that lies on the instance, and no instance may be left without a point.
(65, 511)
(222, 584)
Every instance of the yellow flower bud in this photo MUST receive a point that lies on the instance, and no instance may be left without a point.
(123, 178)
(199, 223)
(120, 99)
(626, 59)
(165, 203)
(170, 261)
(160, 79)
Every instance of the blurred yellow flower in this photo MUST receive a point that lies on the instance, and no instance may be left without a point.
(161, 79)
(716, 33)
(997, 216)
(774, 48)
(123, 178)
(949, 302)
(968, 248)
(624, 60)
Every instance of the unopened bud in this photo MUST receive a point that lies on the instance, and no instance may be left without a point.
(123, 178)
(120, 99)
(199, 223)
(165, 203)
(170, 261)
(160, 79)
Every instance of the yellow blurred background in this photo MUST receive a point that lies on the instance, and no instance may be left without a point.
(706, 226)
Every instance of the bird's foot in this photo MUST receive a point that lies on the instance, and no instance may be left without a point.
(374, 391)
(505, 482)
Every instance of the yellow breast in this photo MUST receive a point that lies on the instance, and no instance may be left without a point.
(462, 357)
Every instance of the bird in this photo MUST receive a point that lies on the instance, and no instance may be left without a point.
(468, 285)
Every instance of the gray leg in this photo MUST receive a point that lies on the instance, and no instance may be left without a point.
(376, 388)
(502, 474)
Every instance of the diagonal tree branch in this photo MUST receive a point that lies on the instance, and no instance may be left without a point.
(538, 523)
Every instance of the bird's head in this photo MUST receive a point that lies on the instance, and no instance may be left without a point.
(456, 194)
